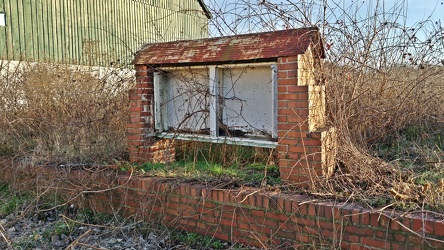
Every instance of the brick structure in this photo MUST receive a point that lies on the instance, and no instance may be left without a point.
(259, 218)
(142, 144)
(301, 136)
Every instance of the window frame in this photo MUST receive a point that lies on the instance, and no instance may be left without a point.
(160, 79)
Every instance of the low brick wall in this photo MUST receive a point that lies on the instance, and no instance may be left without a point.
(260, 218)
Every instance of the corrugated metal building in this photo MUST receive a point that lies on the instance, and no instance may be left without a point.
(94, 32)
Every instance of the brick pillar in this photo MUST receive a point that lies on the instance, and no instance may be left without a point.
(299, 151)
(143, 146)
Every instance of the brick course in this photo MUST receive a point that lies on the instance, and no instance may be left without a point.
(249, 216)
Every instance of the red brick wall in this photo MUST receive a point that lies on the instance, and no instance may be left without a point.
(299, 154)
(255, 217)
(143, 146)
(141, 110)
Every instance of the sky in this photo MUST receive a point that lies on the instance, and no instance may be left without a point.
(417, 10)
(414, 11)
(417, 24)
(422, 9)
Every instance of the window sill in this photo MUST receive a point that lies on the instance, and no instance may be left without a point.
(220, 139)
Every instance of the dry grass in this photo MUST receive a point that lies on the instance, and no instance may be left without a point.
(390, 138)
(390, 132)
(385, 94)
(390, 119)
(59, 113)
(384, 78)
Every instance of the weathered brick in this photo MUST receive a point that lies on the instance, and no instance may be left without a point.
(228, 222)
(287, 66)
(351, 238)
(365, 218)
(258, 213)
(286, 81)
(381, 244)
(422, 225)
(374, 219)
(438, 228)
(243, 225)
(290, 59)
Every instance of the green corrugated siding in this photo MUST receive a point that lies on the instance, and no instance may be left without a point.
(94, 32)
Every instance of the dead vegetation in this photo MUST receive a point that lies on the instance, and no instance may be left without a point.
(60, 113)
(385, 100)
(384, 80)
(390, 136)
(384, 95)
(45, 221)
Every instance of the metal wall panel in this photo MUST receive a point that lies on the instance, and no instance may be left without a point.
(99, 32)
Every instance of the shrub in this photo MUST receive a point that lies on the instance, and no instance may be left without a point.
(59, 113)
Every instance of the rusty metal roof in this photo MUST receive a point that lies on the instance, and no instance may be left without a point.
(265, 46)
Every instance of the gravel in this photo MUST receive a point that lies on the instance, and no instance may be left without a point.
(54, 230)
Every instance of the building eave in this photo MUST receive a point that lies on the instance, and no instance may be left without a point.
(266, 46)
(205, 9)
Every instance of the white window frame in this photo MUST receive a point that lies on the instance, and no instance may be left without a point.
(160, 80)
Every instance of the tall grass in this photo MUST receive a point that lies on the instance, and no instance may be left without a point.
(224, 154)
(390, 125)
(58, 113)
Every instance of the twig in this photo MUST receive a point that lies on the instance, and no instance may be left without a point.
(109, 189)
(100, 226)
(27, 209)
(259, 240)
(89, 246)
(85, 224)
(222, 185)
(415, 233)
(248, 195)
(76, 241)
(6, 236)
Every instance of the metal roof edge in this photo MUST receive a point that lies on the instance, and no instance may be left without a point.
(310, 29)
(205, 9)
(231, 48)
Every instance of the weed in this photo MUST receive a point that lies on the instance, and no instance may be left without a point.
(6, 150)
(12, 201)
(10, 206)
(91, 217)
(406, 206)
(412, 147)
(151, 166)
(224, 154)
(59, 228)
(433, 175)
(254, 174)
(197, 240)
(377, 201)
(30, 243)
(4, 188)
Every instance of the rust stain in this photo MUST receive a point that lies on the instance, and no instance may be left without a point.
(267, 45)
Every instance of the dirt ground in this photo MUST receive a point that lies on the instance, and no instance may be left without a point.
(55, 229)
